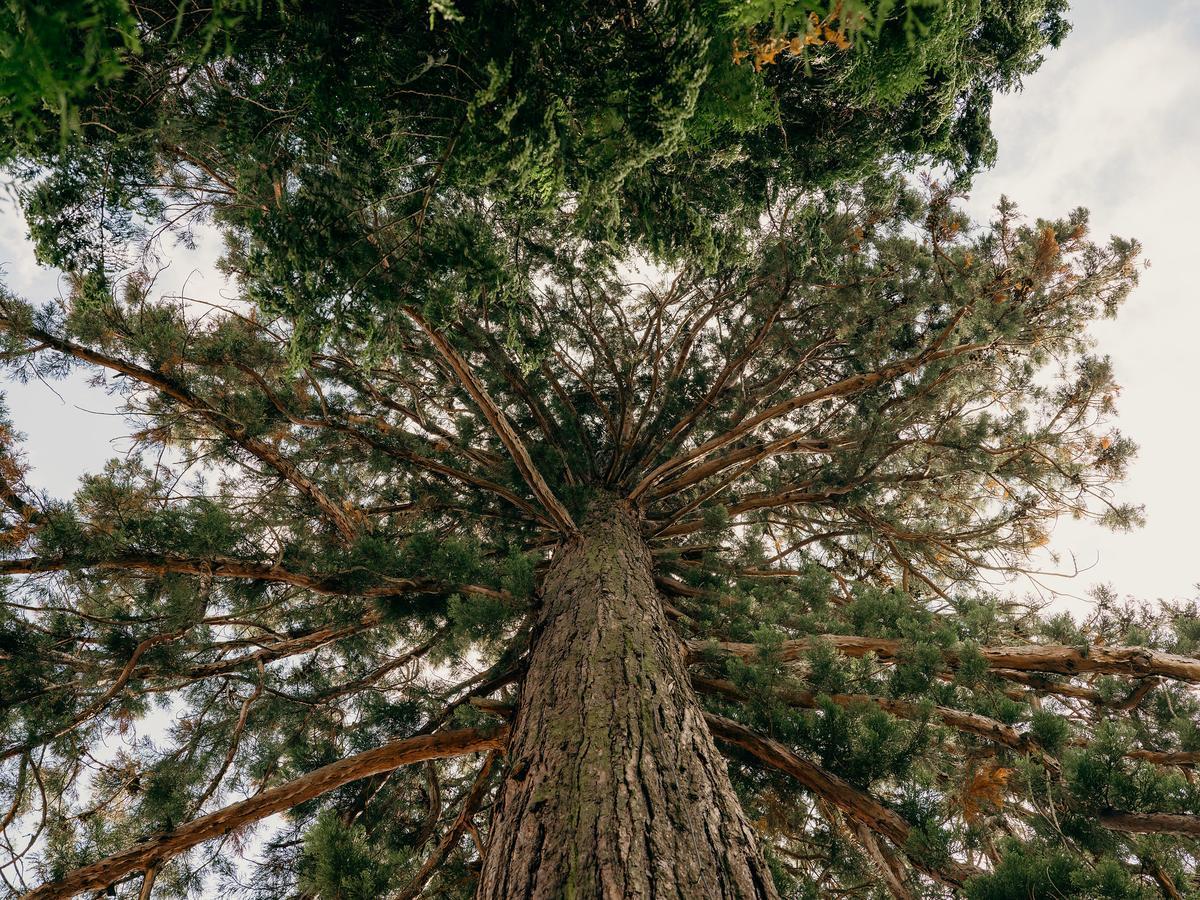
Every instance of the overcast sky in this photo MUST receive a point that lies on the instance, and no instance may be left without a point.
(1109, 122)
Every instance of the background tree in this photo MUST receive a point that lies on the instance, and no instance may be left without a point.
(669, 584)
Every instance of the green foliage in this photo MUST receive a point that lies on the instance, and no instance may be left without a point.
(339, 862)
(1049, 730)
(1053, 873)
(54, 54)
(451, 144)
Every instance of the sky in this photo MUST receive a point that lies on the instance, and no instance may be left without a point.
(1109, 122)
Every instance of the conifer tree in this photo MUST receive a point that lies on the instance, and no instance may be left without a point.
(586, 492)
(668, 584)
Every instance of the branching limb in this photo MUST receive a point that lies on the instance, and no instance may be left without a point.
(858, 805)
(347, 527)
(153, 851)
(1059, 659)
(453, 833)
(500, 424)
(844, 388)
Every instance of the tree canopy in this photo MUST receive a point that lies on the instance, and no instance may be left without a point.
(498, 266)
(835, 439)
(324, 132)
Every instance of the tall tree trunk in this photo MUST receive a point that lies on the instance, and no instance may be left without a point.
(615, 788)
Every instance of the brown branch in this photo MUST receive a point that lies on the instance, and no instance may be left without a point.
(855, 803)
(227, 567)
(450, 838)
(98, 705)
(889, 867)
(214, 567)
(1056, 658)
(968, 722)
(1151, 823)
(148, 883)
(1166, 757)
(500, 424)
(1044, 684)
(340, 517)
(844, 388)
(153, 851)
(521, 388)
(235, 741)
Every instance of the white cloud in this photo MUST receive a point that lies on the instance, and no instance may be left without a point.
(1109, 123)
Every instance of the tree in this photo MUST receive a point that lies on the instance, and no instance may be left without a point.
(668, 582)
(584, 492)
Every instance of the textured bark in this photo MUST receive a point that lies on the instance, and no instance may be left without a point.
(1151, 823)
(616, 789)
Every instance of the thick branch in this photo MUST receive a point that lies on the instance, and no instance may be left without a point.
(857, 804)
(889, 867)
(1151, 823)
(148, 853)
(968, 722)
(1057, 658)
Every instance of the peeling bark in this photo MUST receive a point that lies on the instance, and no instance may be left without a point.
(615, 788)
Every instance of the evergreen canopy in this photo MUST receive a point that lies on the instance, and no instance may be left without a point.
(569, 417)
(324, 133)
(830, 443)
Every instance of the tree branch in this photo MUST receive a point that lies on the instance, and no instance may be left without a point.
(857, 804)
(1059, 659)
(453, 833)
(338, 515)
(844, 388)
(501, 425)
(968, 722)
(153, 851)
(1151, 823)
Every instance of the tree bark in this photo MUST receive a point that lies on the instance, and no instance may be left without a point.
(615, 788)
